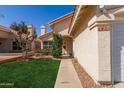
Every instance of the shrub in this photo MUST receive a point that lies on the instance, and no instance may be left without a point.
(46, 51)
(57, 45)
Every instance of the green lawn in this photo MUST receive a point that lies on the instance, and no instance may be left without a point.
(37, 73)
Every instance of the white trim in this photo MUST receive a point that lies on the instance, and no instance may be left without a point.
(74, 20)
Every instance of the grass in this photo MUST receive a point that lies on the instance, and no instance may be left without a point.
(37, 73)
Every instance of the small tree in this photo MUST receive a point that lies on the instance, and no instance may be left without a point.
(57, 45)
(14, 26)
(24, 38)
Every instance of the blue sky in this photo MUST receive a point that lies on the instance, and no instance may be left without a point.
(36, 15)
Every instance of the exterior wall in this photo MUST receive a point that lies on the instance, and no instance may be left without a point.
(85, 45)
(4, 34)
(85, 49)
(70, 46)
(104, 44)
(104, 56)
(48, 38)
(36, 45)
(5, 45)
(6, 39)
(67, 41)
(62, 27)
(92, 48)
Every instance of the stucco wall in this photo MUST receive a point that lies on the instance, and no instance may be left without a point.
(104, 56)
(85, 48)
(85, 44)
(92, 48)
(4, 34)
(67, 41)
(5, 45)
(47, 38)
(62, 27)
(6, 40)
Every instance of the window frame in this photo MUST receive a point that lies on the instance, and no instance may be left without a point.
(47, 45)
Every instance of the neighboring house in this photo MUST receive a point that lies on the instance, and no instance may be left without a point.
(8, 39)
(61, 26)
(95, 37)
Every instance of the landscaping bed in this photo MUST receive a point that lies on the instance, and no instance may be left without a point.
(35, 73)
(86, 80)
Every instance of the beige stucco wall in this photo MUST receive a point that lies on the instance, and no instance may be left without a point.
(67, 41)
(6, 39)
(47, 38)
(104, 44)
(5, 45)
(62, 27)
(85, 45)
(4, 34)
(92, 47)
(104, 55)
(85, 48)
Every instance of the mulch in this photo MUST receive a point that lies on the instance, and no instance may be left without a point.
(86, 80)
(40, 56)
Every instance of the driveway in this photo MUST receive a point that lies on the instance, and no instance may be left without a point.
(8, 56)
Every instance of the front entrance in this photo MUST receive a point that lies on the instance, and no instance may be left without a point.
(118, 52)
(67, 46)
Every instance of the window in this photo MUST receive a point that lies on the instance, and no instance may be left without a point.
(47, 44)
(16, 45)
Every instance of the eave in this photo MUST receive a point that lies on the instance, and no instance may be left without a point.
(9, 30)
(76, 17)
(80, 15)
(55, 21)
(45, 35)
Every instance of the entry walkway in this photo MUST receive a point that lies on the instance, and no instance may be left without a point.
(67, 76)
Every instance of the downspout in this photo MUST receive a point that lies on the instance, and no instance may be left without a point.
(112, 72)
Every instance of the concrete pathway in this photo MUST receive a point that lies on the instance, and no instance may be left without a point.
(67, 76)
(8, 56)
(119, 85)
(2, 58)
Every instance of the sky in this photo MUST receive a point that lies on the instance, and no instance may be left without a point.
(33, 14)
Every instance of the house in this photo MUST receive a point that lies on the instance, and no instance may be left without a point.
(60, 25)
(8, 39)
(94, 35)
